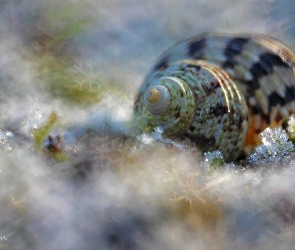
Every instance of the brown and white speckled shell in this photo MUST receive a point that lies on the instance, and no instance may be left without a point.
(240, 84)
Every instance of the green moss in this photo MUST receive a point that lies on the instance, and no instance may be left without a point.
(61, 23)
(42, 132)
(217, 163)
(63, 83)
(214, 160)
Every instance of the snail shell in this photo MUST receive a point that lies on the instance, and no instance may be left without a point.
(218, 91)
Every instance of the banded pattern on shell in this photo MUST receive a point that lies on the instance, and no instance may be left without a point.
(218, 91)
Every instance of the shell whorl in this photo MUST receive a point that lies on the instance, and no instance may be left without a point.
(236, 86)
(174, 109)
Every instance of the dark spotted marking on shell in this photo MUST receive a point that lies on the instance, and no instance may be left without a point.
(195, 48)
(233, 48)
(162, 64)
(224, 90)
(275, 99)
(265, 67)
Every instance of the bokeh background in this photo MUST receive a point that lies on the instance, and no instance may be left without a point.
(72, 68)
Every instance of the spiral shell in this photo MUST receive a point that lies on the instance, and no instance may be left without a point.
(218, 91)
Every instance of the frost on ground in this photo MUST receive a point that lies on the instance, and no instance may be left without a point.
(70, 69)
(275, 146)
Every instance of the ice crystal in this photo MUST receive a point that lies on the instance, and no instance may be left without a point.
(87, 75)
(157, 133)
(5, 140)
(275, 146)
(213, 160)
(156, 136)
(210, 156)
(145, 139)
